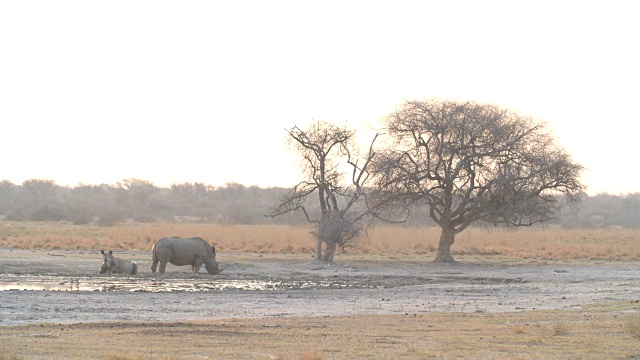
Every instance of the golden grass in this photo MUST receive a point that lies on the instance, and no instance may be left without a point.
(559, 329)
(595, 333)
(524, 243)
(4, 356)
(633, 326)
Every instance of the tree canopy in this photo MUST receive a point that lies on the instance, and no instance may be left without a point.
(468, 162)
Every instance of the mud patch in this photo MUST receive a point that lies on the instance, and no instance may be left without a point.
(193, 284)
(55, 283)
(66, 288)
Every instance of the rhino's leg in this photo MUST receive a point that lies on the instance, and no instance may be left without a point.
(163, 266)
(135, 269)
(196, 265)
(154, 264)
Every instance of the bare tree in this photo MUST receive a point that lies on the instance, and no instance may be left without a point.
(138, 191)
(468, 162)
(192, 192)
(40, 188)
(341, 197)
(7, 192)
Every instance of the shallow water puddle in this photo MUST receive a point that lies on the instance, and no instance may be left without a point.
(49, 283)
(53, 283)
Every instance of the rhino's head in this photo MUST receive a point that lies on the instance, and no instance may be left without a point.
(107, 261)
(211, 264)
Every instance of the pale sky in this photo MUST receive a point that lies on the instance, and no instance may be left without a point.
(201, 91)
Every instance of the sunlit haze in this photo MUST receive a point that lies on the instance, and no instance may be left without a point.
(201, 91)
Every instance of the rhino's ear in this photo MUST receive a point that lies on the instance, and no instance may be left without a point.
(110, 252)
(102, 252)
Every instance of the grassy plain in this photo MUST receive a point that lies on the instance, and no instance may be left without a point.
(593, 333)
(524, 243)
(597, 331)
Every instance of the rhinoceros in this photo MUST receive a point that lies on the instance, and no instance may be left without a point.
(184, 251)
(113, 265)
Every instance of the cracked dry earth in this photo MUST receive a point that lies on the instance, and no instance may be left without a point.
(60, 286)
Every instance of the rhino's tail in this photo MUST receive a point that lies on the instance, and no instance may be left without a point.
(135, 269)
(154, 256)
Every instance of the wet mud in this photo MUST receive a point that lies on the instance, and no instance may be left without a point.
(64, 287)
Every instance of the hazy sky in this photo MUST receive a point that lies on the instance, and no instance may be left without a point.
(201, 91)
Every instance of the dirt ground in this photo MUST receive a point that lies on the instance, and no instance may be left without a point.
(277, 292)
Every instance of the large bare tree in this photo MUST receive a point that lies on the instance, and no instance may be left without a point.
(338, 195)
(470, 162)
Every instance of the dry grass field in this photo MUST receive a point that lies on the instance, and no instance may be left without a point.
(605, 330)
(524, 243)
(594, 333)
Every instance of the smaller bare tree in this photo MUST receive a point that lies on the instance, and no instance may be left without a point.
(344, 214)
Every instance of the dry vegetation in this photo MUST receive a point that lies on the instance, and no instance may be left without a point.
(589, 333)
(523, 243)
(603, 331)
(633, 326)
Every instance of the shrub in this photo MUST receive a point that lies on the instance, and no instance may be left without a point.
(109, 218)
(558, 329)
(633, 326)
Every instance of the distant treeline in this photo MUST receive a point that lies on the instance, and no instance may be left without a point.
(142, 201)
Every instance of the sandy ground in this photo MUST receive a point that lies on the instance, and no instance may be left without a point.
(63, 287)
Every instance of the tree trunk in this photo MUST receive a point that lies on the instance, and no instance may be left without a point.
(447, 237)
(318, 249)
(329, 252)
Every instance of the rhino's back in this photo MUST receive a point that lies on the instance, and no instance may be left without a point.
(182, 251)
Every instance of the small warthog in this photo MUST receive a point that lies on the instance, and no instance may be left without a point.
(113, 265)
(184, 251)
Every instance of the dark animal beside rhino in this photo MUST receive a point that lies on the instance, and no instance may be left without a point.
(184, 251)
(113, 265)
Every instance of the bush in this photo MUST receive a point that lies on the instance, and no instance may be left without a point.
(109, 218)
(633, 326)
(46, 213)
(16, 216)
